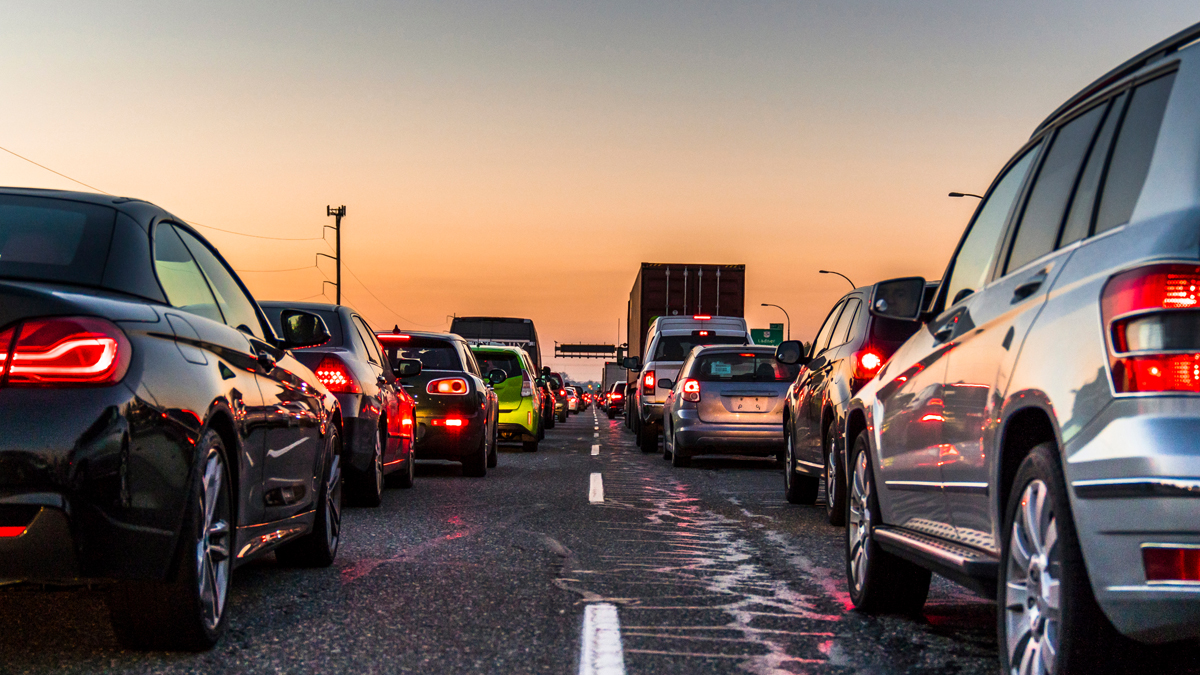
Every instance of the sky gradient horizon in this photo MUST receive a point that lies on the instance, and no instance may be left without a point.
(522, 159)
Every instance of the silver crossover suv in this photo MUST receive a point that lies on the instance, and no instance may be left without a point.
(1038, 439)
(727, 400)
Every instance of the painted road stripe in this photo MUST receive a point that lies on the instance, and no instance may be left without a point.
(596, 435)
(595, 449)
(601, 653)
(596, 489)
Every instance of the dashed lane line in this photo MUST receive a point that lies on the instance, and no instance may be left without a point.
(596, 489)
(595, 450)
(601, 653)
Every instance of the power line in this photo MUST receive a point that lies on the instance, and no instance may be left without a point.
(57, 173)
(290, 269)
(381, 302)
(253, 236)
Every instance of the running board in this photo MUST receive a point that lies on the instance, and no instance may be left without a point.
(970, 567)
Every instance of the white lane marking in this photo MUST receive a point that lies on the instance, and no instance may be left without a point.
(284, 450)
(601, 653)
(596, 435)
(596, 489)
(595, 449)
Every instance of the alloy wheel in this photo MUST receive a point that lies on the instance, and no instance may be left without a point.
(789, 466)
(859, 523)
(333, 504)
(212, 550)
(1032, 584)
(378, 463)
(831, 478)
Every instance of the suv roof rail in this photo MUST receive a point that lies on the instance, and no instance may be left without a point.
(1158, 51)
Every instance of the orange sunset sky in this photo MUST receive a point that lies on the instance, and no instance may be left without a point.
(521, 158)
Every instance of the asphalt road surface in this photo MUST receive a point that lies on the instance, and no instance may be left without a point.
(699, 570)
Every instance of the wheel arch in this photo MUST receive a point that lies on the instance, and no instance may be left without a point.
(220, 420)
(1027, 423)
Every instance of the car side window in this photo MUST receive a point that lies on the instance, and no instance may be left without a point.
(822, 340)
(368, 341)
(977, 252)
(1131, 156)
(180, 276)
(1083, 206)
(469, 359)
(238, 309)
(1037, 233)
(845, 324)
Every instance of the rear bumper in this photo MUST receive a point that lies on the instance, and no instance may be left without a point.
(694, 437)
(519, 422)
(359, 442)
(45, 551)
(454, 443)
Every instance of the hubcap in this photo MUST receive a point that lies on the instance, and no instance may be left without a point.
(212, 550)
(333, 504)
(859, 524)
(1032, 607)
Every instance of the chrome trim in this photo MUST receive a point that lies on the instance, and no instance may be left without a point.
(812, 464)
(934, 486)
(1124, 488)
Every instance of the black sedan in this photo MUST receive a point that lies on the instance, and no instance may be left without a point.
(154, 430)
(377, 416)
(457, 411)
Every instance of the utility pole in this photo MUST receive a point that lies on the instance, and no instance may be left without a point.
(338, 214)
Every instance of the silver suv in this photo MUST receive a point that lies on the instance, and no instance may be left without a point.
(1038, 439)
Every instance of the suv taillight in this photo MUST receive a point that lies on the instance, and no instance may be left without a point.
(691, 390)
(648, 383)
(333, 373)
(867, 363)
(1152, 318)
(526, 386)
(63, 352)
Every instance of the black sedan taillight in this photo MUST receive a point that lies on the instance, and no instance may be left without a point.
(63, 352)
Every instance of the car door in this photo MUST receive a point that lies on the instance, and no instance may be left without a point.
(998, 318)
(808, 387)
(385, 395)
(293, 413)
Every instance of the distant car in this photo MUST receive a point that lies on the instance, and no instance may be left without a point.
(614, 403)
(549, 401)
(457, 409)
(668, 341)
(377, 416)
(558, 384)
(850, 347)
(519, 400)
(728, 400)
(155, 432)
(573, 401)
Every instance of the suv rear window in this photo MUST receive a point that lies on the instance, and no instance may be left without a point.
(433, 353)
(676, 347)
(54, 240)
(507, 361)
(733, 367)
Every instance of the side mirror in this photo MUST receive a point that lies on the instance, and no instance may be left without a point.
(403, 368)
(666, 383)
(632, 363)
(792, 352)
(496, 376)
(302, 329)
(898, 298)
(546, 372)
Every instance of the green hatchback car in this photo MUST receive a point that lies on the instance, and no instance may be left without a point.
(520, 400)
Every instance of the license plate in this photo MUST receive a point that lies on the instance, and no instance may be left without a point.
(750, 404)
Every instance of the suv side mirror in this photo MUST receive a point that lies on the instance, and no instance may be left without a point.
(792, 352)
(302, 329)
(496, 376)
(403, 368)
(632, 363)
(898, 298)
(666, 383)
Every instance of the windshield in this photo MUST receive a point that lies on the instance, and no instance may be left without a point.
(54, 240)
(676, 347)
(434, 354)
(745, 367)
(509, 362)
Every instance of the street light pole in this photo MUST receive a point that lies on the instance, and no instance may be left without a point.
(785, 315)
(338, 214)
(852, 286)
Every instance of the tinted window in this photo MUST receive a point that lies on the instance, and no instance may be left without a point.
(332, 321)
(676, 347)
(509, 362)
(888, 334)
(180, 277)
(845, 323)
(53, 240)
(748, 367)
(434, 354)
(1079, 220)
(978, 250)
(1047, 205)
(620, 387)
(1131, 156)
(238, 309)
(468, 358)
(822, 339)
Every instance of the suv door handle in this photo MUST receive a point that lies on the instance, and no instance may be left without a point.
(1028, 287)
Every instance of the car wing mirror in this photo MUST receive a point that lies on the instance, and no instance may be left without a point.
(900, 299)
(403, 368)
(496, 376)
(666, 383)
(302, 329)
(792, 352)
(632, 363)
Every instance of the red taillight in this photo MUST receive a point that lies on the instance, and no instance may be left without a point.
(392, 337)
(64, 352)
(866, 364)
(702, 333)
(617, 395)
(333, 373)
(450, 386)
(12, 531)
(1150, 315)
(451, 422)
(1171, 563)
(701, 317)
(691, 390)
(648, 382)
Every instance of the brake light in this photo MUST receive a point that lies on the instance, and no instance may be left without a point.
(648, 382)
(866, 364)
(452, 386)
(1151, 317)
(617, 395)
(701, 317)
(702, 333)
(691, 390)
(333, 373)
(391, 337)
(1171, 563)
(14, 530)
(76, 351)
(451, 422)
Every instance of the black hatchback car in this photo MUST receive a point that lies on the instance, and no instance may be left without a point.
(848, 351)
(154, 430)
(457, 411)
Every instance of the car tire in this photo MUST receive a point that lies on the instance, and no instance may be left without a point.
(405, 479)
(319, 547)
(563, 416)
(529, 446)
(611, 414)
(798, 488)
(189, 612)
(878, 581)
(366, 488)
(680, 461)
(476, 465)
(648, 437)
(835, 485)
(1038, 517)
